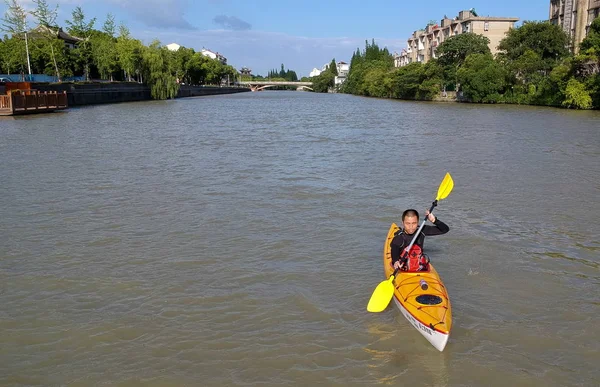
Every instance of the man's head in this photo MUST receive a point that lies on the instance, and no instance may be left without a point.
(410, 221)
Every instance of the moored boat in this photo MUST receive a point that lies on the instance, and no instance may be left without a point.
(421, 297)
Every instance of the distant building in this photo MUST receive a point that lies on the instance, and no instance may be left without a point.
(343, 69)
(315, 72)
(173, 46)
(422, 45)
(69, 40)
(245, 71)
(574, 17)
(214, 55)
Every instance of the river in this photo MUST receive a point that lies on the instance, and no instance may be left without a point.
(235, 240)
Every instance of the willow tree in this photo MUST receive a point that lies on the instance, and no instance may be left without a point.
(159, 71)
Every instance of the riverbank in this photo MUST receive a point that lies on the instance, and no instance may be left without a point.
(79, 94)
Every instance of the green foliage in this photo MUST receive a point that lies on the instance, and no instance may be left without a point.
(283, 74)
(14, 23)
(453, 52)
(159, 72)
(547, 41)
(109, 26)
(104, 54)
(323, 82)
(406, 81)
(593, 37)
(82, 29)
(481, 78)
(10, 55)
(372, 59)
(15, 18)
(576, 95)
(182, 58)
(376, 84)
(592, 84)
(129, 53)
(333, 67)
(54, 49)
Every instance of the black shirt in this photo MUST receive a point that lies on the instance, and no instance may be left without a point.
(402, 240)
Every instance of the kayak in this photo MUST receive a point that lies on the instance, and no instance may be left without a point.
(421, 297)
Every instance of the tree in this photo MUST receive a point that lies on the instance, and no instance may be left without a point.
(129, 52)
(10, 56)
(363, 62)
(592, 39)
(109, 25)
(333, 67)
(481, 78)
(46, 18)
(406, 81)
(323, 82)
(159, 73)
(15, 23)
(576, 96)
(104, 52)
(454, 51)
(196, 70)
(548, 41)
(82, 29)
(182, 57)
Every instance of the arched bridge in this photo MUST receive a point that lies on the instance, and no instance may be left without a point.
(261, 85)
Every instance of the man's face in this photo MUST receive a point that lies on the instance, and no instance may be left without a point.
(410, 224)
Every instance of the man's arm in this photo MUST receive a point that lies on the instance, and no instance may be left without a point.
(397, 244)
(438, 228)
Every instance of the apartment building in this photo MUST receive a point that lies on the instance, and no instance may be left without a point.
(574, 17)
(422, 45)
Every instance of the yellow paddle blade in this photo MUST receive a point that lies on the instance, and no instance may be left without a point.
(382, 296)
(445, 187)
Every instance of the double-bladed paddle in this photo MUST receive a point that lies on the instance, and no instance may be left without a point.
(383, 293)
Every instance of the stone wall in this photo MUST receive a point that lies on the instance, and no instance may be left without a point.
(99, 93)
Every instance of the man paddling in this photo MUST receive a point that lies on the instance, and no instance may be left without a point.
(410, 224)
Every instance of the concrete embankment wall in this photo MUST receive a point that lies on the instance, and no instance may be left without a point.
(198, 91)
(99, 93)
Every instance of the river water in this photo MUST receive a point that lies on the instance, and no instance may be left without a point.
(236, 240)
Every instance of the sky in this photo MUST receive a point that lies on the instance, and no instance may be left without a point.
(302, 35)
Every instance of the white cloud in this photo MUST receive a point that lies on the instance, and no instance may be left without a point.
(156, 13)
(264, 51)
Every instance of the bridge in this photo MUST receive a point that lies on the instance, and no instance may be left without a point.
(261, 85)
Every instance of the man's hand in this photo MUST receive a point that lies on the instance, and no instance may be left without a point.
(430, 216)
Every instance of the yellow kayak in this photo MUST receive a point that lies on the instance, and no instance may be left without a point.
(421, 297)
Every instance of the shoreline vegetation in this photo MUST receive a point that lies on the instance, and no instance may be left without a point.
(110, 54)
(533, 67)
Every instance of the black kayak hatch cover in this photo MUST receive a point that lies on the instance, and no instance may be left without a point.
(428, 299)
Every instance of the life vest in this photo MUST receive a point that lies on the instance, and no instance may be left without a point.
(417, 261)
